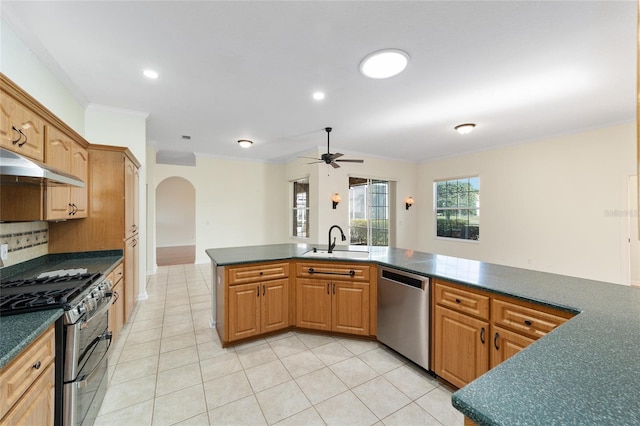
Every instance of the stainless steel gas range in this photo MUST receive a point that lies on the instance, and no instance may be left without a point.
(84, 335)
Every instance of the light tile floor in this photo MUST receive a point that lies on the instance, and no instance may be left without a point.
(168, 367)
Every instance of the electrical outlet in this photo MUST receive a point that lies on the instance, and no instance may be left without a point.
(4, 251)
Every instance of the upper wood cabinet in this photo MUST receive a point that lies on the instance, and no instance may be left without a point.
(63, 153)
(131, 179)
(21, 130)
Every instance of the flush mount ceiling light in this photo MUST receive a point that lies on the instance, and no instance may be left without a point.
(384, 63)
(463, 129)
(245, 143)
(318, 96)
(150, 74)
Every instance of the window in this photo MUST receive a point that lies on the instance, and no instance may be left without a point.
(368, 212)
(458, 208)
(300, 222)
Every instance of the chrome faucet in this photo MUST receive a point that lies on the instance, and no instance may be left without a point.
(332, 245)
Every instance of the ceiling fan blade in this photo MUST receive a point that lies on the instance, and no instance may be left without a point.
(335, 165)
(336, 155)
(311, 158)
(314, 162)
(345, 160)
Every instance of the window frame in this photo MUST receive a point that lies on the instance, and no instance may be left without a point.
(436, 209)
(296, 210)
(368, 199)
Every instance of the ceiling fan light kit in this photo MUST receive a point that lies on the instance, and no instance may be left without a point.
(245, 143)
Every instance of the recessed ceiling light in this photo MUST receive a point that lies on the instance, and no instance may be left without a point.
(384, 63)
(463, 129)
(318, 96)
(151, 74)
(245, 143)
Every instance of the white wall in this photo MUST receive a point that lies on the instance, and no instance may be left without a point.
(175, 213)
(544, 205)
(237, 202)
(324, 181)
(22, 66)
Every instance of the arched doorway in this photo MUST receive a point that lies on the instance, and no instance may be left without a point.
(175, 222)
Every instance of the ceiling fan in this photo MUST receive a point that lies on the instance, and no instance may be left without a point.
(333, 159)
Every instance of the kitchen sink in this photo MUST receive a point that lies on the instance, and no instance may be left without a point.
(338, 254)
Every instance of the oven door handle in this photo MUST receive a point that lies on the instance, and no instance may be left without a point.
(105, 307)
(84, 380)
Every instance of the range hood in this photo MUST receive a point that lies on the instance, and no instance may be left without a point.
(14, 168)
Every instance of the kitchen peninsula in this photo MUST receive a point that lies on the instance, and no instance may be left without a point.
(584, 372)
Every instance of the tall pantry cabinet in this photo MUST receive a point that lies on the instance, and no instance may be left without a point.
(112, 220)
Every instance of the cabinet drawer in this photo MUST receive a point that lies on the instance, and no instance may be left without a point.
(116, 275)
(254, 273)
(334, 271)
(25, 369)
(527, 321)
(463, 301)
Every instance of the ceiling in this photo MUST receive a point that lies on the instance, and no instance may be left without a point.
(520, 70)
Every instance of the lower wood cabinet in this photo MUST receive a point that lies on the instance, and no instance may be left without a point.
(475, 331)
(116, 311)
(258, 308)
(27, 384)
(256, 300)
(461, 348)
(333, 302)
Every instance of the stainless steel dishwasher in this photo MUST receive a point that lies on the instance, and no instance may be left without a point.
(403, 314)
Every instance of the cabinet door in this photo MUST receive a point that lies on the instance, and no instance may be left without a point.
(274, 305)
(130, 198)
(244, 311)
(505, 344)
(36, 407)
(461, 347)
(58, 155)
(130, 276)
(20, 129)
(350, 307)
(80, 169)
(116, 311)
(313, 307)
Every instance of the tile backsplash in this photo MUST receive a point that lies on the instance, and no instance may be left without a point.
(26, 240)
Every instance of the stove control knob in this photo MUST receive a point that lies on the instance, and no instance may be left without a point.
(82, 308)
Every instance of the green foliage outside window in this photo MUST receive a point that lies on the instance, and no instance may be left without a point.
(458, 208)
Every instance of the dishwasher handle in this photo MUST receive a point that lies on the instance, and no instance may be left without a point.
(403, 279)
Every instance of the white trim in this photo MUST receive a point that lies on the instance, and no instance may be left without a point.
(125, 111)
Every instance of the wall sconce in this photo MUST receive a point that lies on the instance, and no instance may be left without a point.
(408, 202)
(335, 199)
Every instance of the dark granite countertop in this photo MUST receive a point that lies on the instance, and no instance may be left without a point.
(18, 331)
(584, 372)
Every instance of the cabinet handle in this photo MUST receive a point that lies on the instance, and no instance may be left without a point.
(257, 291)
(37, 365)
(458, 300)
(527, 323)
(263, 289)
(15, 129)
(25, 138)
(328, 284)
(334, 288)
(482, 335)
(116, 296)
(495, 341)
